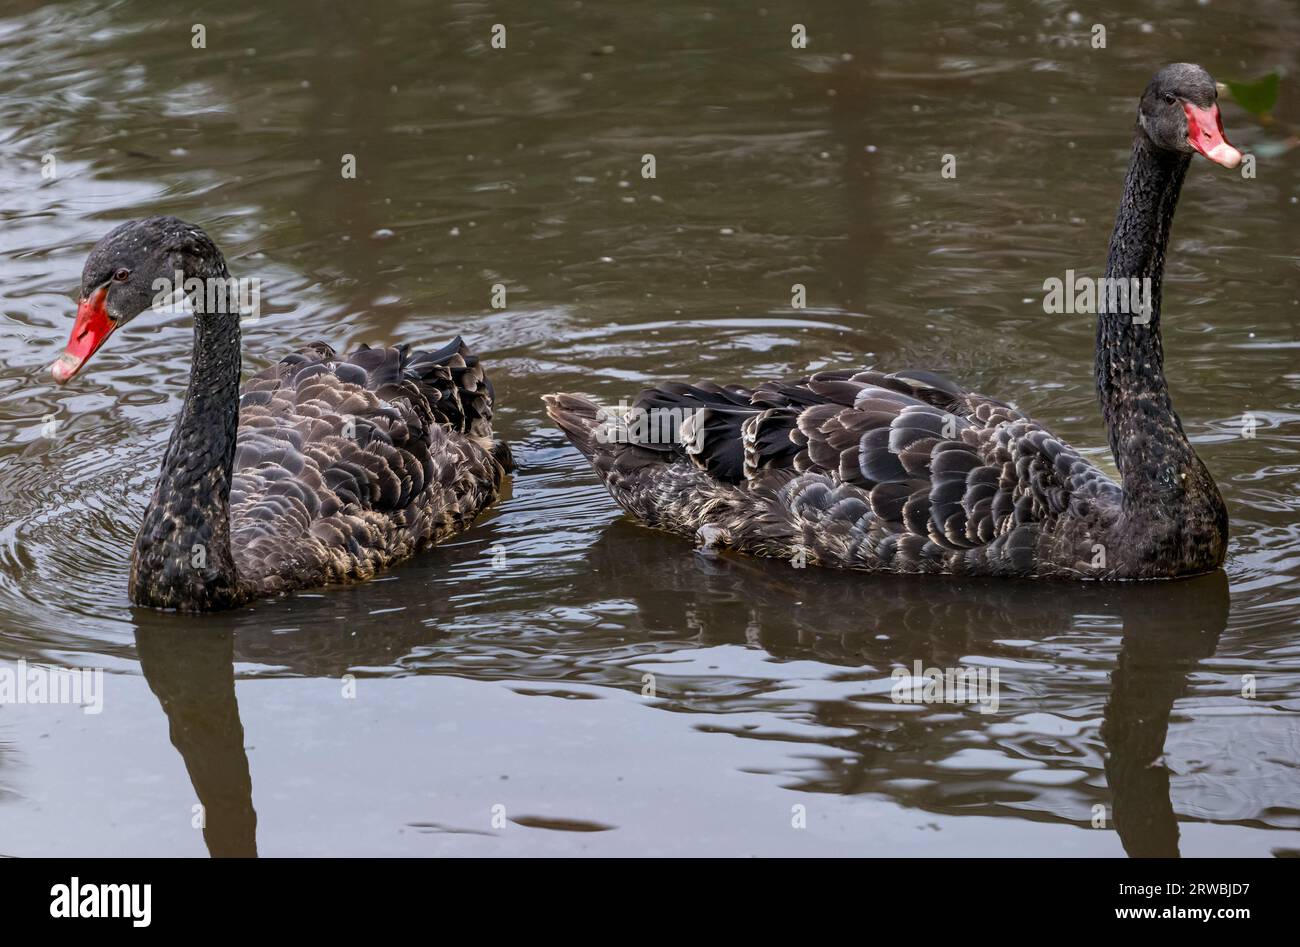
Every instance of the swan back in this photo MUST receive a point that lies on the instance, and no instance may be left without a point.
(344, 464)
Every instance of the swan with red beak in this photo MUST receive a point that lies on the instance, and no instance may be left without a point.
(120, 281)
(1179, 114)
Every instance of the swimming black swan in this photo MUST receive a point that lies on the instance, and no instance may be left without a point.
(324, 469)
(910, 472)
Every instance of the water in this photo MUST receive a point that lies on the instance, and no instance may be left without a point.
(507, 668)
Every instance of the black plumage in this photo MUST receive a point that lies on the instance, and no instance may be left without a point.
(356, 462)
(322, 468)
(909, 472)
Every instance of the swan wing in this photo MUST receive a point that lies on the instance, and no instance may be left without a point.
(866, 469)
(344, 464)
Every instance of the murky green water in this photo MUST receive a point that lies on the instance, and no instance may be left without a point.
(498, 703)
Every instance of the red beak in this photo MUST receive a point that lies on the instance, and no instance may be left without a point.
(1205, 134)
(92, 327)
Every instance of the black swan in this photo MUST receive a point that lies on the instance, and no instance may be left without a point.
(909, 472)
(322, 468)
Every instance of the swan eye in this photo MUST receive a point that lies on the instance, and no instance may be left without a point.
(121, 276)
(1170, 98)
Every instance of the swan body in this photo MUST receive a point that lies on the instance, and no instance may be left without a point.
(903, 473)
(322, 468)
(908, 472)
(344, 466)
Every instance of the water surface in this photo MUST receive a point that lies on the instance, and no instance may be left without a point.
(498, 702)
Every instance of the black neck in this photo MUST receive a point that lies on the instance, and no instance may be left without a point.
(1146, 436)
(182, 555)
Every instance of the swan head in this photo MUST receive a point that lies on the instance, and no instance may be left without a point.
(125, 275)
(1179, 112)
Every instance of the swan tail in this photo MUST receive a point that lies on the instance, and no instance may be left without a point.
(581, 419)
(459, 391)
(449, 382)
(648, 475)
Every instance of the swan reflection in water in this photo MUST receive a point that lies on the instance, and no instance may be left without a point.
(192, 673)
(1145, 640)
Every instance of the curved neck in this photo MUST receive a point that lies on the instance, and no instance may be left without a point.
(182, 554)
(1146, 436)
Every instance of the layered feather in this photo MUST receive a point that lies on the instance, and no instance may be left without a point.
(904, 472)
(346, 464)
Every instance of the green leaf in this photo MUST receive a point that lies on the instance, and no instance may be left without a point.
(1272, 148)
(1256, 97)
